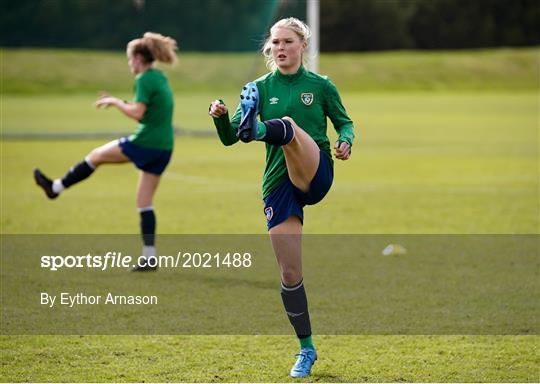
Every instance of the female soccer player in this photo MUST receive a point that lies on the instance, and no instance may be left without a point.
(149, 148)
(293, 105)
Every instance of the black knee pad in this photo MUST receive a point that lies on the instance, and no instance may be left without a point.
(278, 132)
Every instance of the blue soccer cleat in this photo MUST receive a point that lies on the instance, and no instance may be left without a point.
(249, 104)
(306, 359)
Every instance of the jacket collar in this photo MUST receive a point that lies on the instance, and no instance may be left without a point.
(292, 77)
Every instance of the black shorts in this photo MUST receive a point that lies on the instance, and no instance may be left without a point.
(287, 200)
(146, 159)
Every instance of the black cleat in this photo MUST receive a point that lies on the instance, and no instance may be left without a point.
(144, 267)
(45, 183)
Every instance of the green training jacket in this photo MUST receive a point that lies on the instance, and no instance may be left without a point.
(155, 129)
(308, 99)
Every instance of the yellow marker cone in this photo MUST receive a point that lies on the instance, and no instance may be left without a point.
(394, 250)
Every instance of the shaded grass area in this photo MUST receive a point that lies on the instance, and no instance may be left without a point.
(444, 285)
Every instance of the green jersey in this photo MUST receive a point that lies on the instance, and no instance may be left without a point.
(155, 129)
(308, 99)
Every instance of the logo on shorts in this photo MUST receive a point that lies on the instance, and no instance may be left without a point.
(307, 98)
(269, 212)
(274, 100)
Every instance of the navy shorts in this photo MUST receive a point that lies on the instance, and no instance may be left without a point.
(287, 200)
(146, 159)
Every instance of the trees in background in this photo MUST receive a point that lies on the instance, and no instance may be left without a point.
(240, 25)
(364, 25)
(201, 25)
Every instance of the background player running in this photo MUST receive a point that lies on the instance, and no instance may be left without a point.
(149, 148)
(293, 105)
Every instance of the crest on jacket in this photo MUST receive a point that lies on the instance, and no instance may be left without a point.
(307, 98)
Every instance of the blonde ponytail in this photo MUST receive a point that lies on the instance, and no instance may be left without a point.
(154, 46)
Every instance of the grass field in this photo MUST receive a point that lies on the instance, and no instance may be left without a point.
(447, 144)
(265, 358)
(72, 71)
(454, 163)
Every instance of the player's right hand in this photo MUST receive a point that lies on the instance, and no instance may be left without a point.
(217, 109)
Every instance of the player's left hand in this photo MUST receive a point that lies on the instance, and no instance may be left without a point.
(342, 150)
(105, 100)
